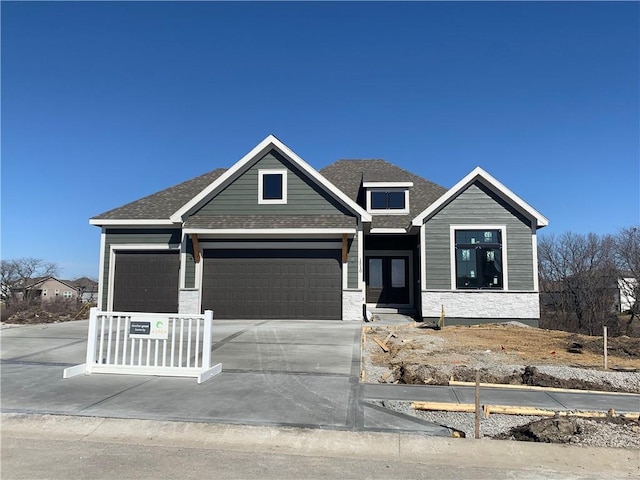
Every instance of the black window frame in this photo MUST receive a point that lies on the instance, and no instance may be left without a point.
(266, 187)
(481, 250)
(387, 203)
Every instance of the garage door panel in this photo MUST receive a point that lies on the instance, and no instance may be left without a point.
(304, 284)
(146, 281)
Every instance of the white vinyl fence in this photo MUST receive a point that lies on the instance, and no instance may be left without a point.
(148, 344)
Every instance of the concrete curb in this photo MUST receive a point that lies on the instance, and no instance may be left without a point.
(328, 443)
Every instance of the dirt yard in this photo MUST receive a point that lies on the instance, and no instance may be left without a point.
(510, 353)
(458, 350)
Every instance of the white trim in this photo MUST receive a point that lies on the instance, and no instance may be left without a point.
(103, 243)
(387, 230)
(479, 174)
(361, 283)
(269, 143)
(393, 253)
(452, 254)
(131, 246)
(272, 201)
(388, 211)
(423, 257)
(271, 245)
(131, 223)
(534, 246)
(269, 231)
(383, 185)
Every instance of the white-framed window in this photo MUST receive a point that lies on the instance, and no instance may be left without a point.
(478, 257)
(272, 186)
(44, 292)
(57, 292)
(388, 201)
(67, 294)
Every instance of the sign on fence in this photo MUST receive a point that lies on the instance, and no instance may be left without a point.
(134, 343)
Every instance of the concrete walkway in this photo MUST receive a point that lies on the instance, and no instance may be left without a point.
(275, 373)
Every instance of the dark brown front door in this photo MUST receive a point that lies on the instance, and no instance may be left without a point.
(387, 279)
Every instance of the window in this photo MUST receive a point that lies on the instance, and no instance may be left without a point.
(67, 294)
(272, 186)
(57, 292)
(44, 292)
(479, 259)
(388, 201)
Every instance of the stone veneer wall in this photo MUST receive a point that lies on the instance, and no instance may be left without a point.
(352, 301)
(189, 301)
(487, 305)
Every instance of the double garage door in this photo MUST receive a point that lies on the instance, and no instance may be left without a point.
(236, 284)
(277, 284)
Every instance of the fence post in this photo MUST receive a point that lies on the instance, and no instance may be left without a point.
(92, 338)
(206, 341)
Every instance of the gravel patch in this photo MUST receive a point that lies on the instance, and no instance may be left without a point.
(594, 433)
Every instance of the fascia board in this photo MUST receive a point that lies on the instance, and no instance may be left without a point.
(130, 223)
(259, 150)
(387, 230)
(479, 173)
(268, 231)
(387, 184)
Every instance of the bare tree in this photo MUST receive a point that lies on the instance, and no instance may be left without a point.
(16, 275)
(578, 275)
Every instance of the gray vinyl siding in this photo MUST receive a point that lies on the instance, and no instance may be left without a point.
(303, 196)
(478, 205)
(352, 263)
(133, 236)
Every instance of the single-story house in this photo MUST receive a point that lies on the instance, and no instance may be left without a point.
(271, 237)
(48, 288)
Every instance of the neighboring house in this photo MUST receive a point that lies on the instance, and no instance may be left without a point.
(271, 237)
(48, 288)
(627, 288)
(87, 289)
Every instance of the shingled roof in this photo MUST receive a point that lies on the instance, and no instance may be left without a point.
(163, 204)
(348, 175)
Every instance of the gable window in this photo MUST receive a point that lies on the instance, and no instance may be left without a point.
(67, 294)
(388, 201)
(479, 259)
(272, 186)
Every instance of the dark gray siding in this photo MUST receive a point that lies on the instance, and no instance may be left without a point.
(303, 197)
(352, 263)
(133, 236)
(477, 206)
(190, 266)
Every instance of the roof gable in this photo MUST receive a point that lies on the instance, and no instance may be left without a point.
(259, 151)
(478, 174)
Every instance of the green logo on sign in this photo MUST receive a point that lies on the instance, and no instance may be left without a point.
(159, 324)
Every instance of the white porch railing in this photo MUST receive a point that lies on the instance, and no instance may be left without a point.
(148, 344)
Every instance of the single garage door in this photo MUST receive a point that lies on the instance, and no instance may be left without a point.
(146, 281)
(280, 284)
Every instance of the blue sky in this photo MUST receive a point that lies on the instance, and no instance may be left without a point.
(104, 103)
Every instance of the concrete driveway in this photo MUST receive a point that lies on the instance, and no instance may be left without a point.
(278, 373)
(285, 373)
